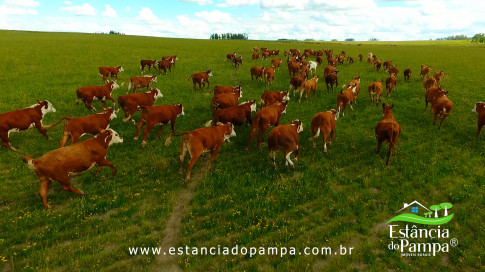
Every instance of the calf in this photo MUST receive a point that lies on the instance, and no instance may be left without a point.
(377, 65)
(61, 163)
(225, 100)
(130, 103)
(331, 79)
(141, 82)
(90, 93)
(480, 110)
(201, 78)
(313, 66)
(269, 116)
(344, 98)
(75, 128)
(391, 82)
(257, 71)
(235, 115)
(441, 108)
(158, 115)
(231, 56)
(276, 63)
(285, 138)
(23, 119)
(268, 74)
(165, 64)
(324, 122)
(148, 63)
(439, 76)
(237, 61)
(106, 71)
(226, 89)
(375, 91)
(430, 82)
(393, 70)
(269, 98)
(387, 65)
(388, 131)
(407, 74)
(307, 87)
(431, 95)
(202, 140)
(424, 71)
(328, 70)
(355, 82)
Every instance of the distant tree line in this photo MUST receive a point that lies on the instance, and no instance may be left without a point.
(454, 38)
(479, 38)
(110, 32)
(229, 36)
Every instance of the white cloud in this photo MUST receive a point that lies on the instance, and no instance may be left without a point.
(68, 2)
(214, 16)
(237, 3)
(5, 10)
(21, 3)
(18, 7)
(109, 12)
(85, 9)
(200, 2)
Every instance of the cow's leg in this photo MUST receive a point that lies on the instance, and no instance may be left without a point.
(41, 129)
(379, 144)
(75, 138)
(44, 187)
(66, 184)
(183, 152)
(159, 131)
(147, 130)
(262, 130)
(5, 141)
(272, 155)
(442, 120)
(213, 156)
(194, 156)
(325, 137)
(138, 128)
(104, 162)
(389, 153)
(479, 130)
(288, 159)
(254, 129)
(65, 137)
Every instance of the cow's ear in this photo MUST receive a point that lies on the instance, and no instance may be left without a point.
(39, 102)
(101, 130)
(383, 105)
(392, 106)
(219, 124)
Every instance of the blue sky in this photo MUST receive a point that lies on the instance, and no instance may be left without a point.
(390, 20)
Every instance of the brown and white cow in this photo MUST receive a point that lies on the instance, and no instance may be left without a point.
(324, 122)
(407, 74)
(387, 64)
(75, 128)
(387, 131)
(165, 64)
(328, 70)
(263, 119)
(257, 71)
(355, 82)
(442, 107)
(286, 139)
(377, 65)
(268, 74)
(361, 57)
(61, 163)
(255, 56)
(424, 71)
(276, 63)
(269, 98)
(172, 59)
(350, 60)
(308, 86)
(225, 100)
(344, 98)
(106, 71)
(331, 79)
(430, 82)
(130, 103)
(148, 63)
(375, 91)
(231, 56)
(226, 89)
(480, 110)
(88, 94)
(237, 115)
(202, 140)
(431, 95)
(439, 76)
(296, 82)
(393, 70)
(141, 82)
(237, 61)
(158, 115)
(391, 82)
(293, 67)
(23, 119)
(201, 78)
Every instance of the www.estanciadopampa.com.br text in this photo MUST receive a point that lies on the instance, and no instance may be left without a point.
(240, 250)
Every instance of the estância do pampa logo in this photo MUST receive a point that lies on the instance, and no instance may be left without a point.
(418, 240)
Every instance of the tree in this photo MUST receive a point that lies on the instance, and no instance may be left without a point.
(435, 208)
(446, 206)
(373, 40)
(479, 38)
(350, 40)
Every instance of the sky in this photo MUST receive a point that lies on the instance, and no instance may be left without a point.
(385, 20)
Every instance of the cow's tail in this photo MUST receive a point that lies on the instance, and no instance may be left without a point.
(129, 86)
(212, 90)
(53, 125)
(390, 131)
(29, 160)
(208, 123)
(188, 79)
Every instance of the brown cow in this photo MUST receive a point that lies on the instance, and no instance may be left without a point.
(388, 131)
(430, 82)
(231, 56)
(75, 128)
(148, 63)
(201, 140)
(285, 138)
(269, 98)
(480, 110)
(431, 95)
(393, 70)
(269, 116)
(225, 100)
(442, 107)
(106, 71)
(257, 71)
(386, 65)
(265, 55)
(439, 76)
(276, 63)
(88, 94)
(296, 82)
(361, 57)
(328, 70)
(158, 115)
(268, 74)
(235, 115)
(391, 82)
(23, 119)
(201, 78)
(237, 61)
(407, 74)
(324, 122)
(344, 98)
(130, 103)
(172, 59)
(141, 82)
(255, 56)
(165, 65)
(331, 79)
(226, 89)
(293, 67)
(61, 163)
(424, 71)
(350, 60)
(375, 91)
(308, 86)
(355, 82)
(377, 65)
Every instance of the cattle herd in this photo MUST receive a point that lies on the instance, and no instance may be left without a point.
(227, 112)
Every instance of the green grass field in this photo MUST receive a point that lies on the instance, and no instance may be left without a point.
(344, 197)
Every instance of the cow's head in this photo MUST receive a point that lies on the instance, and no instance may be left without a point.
(46, 106)
(180, 110)
(334, 112)
(357, 78)
(113, 85)
(286, 97)
(115, 137)
(209, 73)
(154, 79)
(156, 93)
(298, 124)
(386, 109)
(111, 112)
(479, 107)
(120, 69)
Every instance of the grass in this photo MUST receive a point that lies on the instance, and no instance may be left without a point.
(340, 198)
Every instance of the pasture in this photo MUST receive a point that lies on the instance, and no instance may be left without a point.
(344, 197)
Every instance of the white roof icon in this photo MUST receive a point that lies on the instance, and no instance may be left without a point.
(412, 203)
